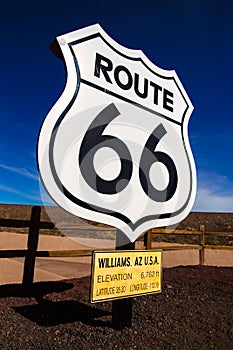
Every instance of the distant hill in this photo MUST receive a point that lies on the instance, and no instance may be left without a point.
(212, 221)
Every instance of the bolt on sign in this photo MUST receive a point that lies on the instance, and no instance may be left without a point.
(115, 147)
(122, 274)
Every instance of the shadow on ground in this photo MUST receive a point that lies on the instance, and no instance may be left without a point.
(38, 289)
(47, 313)
(34, 304)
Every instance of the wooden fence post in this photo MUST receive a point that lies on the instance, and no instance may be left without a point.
(122, 308)
(33, 237)
(202, 244)
(147, 239)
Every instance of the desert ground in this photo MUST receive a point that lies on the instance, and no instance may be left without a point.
(193, 311)
(12, 236)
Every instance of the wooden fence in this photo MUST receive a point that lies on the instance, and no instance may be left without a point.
(201, 246)
(35, 225)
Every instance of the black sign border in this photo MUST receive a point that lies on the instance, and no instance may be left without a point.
(59, 184)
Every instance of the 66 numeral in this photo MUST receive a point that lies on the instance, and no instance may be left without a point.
(94, 140)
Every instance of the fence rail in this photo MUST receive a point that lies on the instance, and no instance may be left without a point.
(35, 225)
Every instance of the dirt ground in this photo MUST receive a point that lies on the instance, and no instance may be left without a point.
(59, 268)
(194, 311)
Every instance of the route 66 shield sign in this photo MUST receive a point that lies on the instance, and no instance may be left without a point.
(115, 148)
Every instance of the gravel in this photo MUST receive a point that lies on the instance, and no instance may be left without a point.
(194, 311)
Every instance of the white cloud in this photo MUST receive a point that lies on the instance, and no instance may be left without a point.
(211, 202)
(9, 189)
(40, 197)
(15, 191)
(214, 193)
(21, 171)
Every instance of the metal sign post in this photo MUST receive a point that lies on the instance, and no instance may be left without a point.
(122, 308)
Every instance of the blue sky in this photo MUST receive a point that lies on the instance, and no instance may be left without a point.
(193, 37)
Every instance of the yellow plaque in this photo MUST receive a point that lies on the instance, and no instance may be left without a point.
(129, 273)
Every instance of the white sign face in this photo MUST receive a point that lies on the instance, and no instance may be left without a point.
(115, 148)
